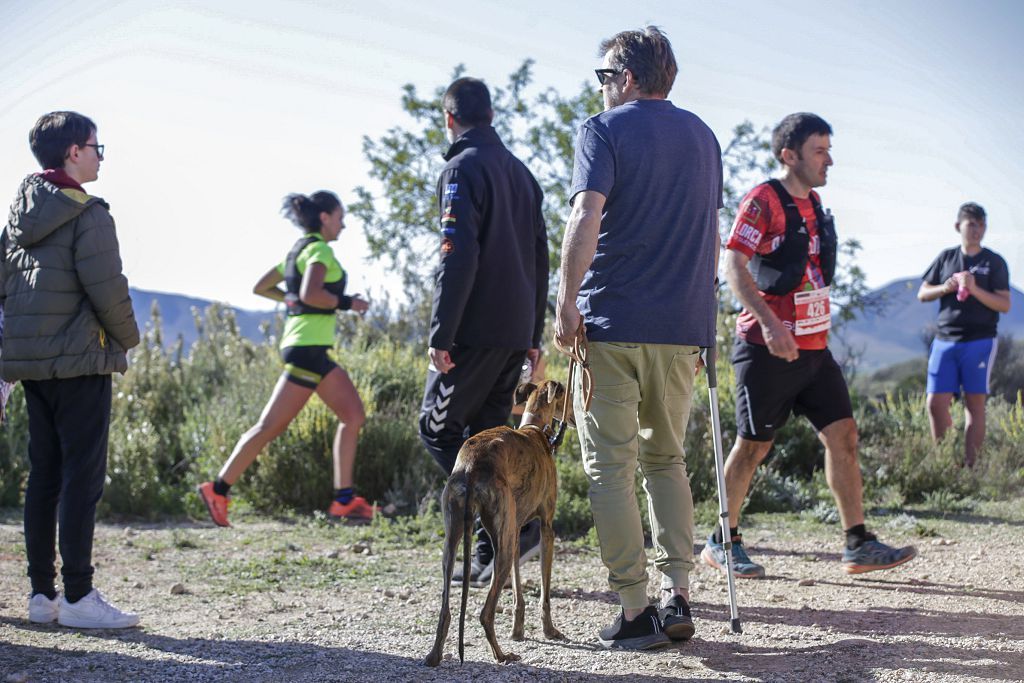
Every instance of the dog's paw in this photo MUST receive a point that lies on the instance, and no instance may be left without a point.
(509, 658)
(433, 659)
(553, 634)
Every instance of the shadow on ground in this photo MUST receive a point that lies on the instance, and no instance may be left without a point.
(858, 659)
(864, 649)
(197, 659)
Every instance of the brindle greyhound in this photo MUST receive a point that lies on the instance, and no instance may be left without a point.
(508, 477)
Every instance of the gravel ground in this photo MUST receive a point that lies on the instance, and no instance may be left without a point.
(304, 600)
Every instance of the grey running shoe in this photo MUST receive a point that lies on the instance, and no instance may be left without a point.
(643, 633)
(872, 555)
(742, 566)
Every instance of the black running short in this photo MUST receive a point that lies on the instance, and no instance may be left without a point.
(768, 389)
(306, 365)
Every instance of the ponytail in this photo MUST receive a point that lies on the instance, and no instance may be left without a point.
(305, 211)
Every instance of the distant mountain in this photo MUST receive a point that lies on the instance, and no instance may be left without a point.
(895, 334)
(177, 318)
(882, 339)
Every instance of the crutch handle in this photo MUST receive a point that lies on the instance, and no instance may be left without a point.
(707, 354)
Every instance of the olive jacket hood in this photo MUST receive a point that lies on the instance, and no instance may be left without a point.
(67, 312)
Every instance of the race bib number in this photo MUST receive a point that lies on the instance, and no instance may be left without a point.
(813, 312)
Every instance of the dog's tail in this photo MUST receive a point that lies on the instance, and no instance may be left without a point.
(467, 533)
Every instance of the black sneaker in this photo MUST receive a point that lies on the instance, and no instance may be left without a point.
(529, 548)
(481, 565)
(676, 620)
(643, 633)
(529, 541)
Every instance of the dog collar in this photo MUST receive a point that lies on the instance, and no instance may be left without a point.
(525, 422)
(552, 437)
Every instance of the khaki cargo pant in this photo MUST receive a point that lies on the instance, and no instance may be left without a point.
(638, 416)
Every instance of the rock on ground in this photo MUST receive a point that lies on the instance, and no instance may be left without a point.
(277, 600)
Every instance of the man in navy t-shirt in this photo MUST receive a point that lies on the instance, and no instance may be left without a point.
(638, 266)
(973, 285)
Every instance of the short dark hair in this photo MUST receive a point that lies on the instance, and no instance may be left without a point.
(469, 101)
(305, 211)
(647, 54)
(793, 131)
(971, 210)
(55, 132)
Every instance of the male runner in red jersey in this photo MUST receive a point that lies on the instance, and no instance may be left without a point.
(780, 259)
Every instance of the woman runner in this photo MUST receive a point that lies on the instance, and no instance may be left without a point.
(314, 289)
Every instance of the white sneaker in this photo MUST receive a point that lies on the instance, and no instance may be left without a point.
(43, 610)
(93, 611)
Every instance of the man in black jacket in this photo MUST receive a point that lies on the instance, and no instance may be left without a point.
(490, 290)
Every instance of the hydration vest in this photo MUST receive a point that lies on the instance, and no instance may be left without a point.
(781, 271)
(293, 282)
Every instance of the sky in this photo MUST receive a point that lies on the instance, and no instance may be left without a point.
(213, 111)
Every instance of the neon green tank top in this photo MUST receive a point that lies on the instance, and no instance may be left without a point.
(312, 329)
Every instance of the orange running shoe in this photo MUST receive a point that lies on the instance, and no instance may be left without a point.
(216, 504)
(357, 508)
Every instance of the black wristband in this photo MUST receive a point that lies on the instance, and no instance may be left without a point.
(344, 302)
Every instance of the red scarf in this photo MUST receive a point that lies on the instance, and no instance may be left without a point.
(60, 178)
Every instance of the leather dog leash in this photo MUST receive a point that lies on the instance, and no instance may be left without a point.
(577, 363)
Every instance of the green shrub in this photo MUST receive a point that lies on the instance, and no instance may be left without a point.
(14, 449)
(178, 413)
(897, 451)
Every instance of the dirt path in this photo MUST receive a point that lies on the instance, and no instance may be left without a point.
(303, 600)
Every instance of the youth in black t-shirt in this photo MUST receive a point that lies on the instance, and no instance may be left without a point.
(969, 319)
(973, 286)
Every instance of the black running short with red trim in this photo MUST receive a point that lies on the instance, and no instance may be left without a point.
(769, 389)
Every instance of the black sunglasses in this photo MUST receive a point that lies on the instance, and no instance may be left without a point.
(99, 148)
(604, 75)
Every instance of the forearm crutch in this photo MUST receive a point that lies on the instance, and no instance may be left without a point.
(708, 356)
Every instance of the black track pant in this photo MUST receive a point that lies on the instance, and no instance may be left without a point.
(68, 420)
(475, 395)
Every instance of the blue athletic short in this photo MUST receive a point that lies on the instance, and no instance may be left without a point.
(966, 364)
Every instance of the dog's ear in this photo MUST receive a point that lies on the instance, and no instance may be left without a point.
(523, 392)
(554, 391)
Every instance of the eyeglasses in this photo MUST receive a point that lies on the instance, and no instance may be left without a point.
(604, 75)
(99, 148)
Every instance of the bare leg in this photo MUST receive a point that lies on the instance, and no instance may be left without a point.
(740, 466)
(284, 404)
(938, 414)
(337, 391)
(842, 470)
(668, 593)
(974, 426)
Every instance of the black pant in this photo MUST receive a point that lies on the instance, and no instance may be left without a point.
(475, 395)
(68, 421)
